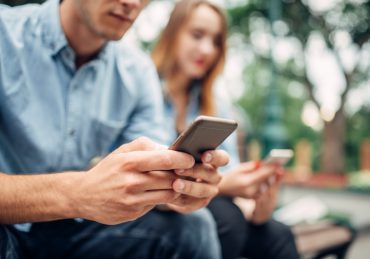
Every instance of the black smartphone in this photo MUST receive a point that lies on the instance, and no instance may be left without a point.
(205, 133)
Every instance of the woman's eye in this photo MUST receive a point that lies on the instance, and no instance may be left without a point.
(217, 42)
(197, 35)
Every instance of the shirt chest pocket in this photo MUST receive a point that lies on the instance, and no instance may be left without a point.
(104, 135)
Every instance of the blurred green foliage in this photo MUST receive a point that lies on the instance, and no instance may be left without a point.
(358, 130)
(299, 22)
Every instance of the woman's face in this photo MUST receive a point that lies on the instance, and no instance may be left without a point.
(199, 42)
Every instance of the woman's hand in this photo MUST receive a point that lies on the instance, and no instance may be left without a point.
(246, 180)
(260, 209)
(267, 201)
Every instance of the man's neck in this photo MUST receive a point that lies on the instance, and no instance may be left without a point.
(85, 43)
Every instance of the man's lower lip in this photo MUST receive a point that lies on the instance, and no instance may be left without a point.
(121, 18)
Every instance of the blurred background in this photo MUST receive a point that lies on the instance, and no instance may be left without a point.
(298, 73)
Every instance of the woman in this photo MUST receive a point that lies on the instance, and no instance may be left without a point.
(189, 56)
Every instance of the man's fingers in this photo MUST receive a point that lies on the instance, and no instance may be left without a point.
(151, 198)
(155, 160)
(204, 172)
(140, 144)
(157, 180)
(195, 189)
(217, 158)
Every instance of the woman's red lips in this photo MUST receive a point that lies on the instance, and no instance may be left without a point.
(200, 62)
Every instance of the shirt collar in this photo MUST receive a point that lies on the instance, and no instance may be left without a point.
(53, 34)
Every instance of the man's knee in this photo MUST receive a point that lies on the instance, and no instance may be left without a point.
(8, 244)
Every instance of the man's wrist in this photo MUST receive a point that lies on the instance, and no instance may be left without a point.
(69, 194)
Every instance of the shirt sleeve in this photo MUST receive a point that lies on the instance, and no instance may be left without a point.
(147, 118)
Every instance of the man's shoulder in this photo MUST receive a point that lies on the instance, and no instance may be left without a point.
(16, 22)
(17, 15)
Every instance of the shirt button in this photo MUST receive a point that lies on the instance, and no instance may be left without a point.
(72, 132)
(68, 55)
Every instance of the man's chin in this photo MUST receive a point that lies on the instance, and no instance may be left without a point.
(113, 36)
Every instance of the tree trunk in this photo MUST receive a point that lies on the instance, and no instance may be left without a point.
(333, 141)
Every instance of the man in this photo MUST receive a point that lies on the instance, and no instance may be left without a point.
(68, 95)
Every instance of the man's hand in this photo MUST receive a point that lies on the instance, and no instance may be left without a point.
(198, 184)
(246, 180)
(130, 182)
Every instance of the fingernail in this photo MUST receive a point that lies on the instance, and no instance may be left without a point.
(207, 158)
(180, 185)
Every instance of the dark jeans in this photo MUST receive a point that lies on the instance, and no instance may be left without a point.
(240, 238)
(155, 235)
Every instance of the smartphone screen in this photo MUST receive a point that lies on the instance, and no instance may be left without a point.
(278, 157)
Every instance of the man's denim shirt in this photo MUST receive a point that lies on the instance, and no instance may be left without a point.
(54, 117)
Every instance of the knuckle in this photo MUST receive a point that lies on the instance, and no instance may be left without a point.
(128, 164)
(133, 183)
(142, 141)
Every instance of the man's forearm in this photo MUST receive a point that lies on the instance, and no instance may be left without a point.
(36, 198)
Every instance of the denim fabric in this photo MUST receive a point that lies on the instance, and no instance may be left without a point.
(55, 117)
(156, 235)
(9, 247)
(241, 238)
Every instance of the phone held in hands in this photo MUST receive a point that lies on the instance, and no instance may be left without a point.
(205, 133)
(278, 157)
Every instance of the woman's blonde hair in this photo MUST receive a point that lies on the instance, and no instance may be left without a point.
(164, 52)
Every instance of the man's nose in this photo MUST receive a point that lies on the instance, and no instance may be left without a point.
(131, 3)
